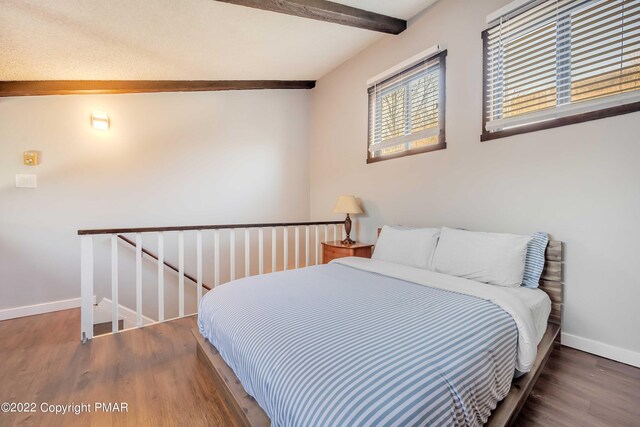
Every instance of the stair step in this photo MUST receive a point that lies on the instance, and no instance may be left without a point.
(105, 327)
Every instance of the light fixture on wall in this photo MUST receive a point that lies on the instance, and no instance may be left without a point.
(100, 120)
(347, 205)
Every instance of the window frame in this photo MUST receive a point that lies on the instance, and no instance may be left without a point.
(550, 123)
(442, 144)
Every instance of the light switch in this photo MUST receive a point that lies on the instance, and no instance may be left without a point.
(26, 181)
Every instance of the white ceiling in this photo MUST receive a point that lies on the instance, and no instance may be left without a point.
(181, 40)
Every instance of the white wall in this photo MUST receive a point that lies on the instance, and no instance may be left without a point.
(169, 159)
(580, 183)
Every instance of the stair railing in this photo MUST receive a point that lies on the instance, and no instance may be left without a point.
(87, 260)
(166, 263)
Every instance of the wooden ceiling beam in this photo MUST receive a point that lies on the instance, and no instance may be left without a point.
(328, 11)
(89, 87)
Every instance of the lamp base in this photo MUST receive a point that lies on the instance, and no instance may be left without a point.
(348, 241)
(347, 229)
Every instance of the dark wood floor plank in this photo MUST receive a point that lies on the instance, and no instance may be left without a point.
(156, 371)
(621, 370)
(614, 417)
(598, 385)
(573, 390)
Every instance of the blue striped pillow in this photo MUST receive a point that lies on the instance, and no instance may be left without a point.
(534, 262)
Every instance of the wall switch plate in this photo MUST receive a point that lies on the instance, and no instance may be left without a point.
(26, 181)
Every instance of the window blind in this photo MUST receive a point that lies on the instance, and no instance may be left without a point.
(405, 110)
(559, 58)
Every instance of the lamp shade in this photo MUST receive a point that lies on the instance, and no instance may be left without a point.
(347, 205)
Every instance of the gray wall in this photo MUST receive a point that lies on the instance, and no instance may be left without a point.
(169, 159)
(580, 183)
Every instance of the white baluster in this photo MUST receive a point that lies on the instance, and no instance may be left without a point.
(317, 245)
(286, 248)
(260, 251)
(274, 247)
(326, 237)
(86, 288)
(335, 232)
(216, 257)
(306, 244)
(199, 265)
(114, 283)
(232, 254)
(161, 277)
(138, 279)
(297, 247)
(247, 252)
(181, 274)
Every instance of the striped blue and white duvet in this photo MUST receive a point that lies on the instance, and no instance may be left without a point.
(335, 345)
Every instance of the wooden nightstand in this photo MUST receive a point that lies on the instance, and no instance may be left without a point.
(333, 250)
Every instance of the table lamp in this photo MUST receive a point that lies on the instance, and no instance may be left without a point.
(347, 205)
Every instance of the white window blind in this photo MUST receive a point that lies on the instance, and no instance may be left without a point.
(406, 110)
(561, 58)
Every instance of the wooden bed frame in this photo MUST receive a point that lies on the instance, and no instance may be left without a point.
(247, 412)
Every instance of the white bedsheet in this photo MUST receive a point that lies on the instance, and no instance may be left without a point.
(528, 309)
(539, 304)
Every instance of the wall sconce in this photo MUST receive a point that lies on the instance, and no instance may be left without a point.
(100, 120)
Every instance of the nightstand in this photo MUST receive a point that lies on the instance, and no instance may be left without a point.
(335, 249)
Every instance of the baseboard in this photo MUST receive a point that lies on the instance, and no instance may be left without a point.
(47, 307)
(601, 349)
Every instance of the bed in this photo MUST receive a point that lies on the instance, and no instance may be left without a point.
(368, 342)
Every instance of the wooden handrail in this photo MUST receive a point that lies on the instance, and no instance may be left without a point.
(202, 227)
(171, 266)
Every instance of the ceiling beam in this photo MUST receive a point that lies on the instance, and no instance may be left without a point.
(328, 11)
(89, 87)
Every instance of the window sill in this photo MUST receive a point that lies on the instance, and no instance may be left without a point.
(564, 121)
(427, 149)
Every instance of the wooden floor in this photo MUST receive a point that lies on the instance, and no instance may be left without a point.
(156, 372)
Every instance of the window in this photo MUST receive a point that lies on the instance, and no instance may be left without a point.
(406, 110)
(560, 62)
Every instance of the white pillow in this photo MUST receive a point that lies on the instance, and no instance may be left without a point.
(412, 247)
(497, 259)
